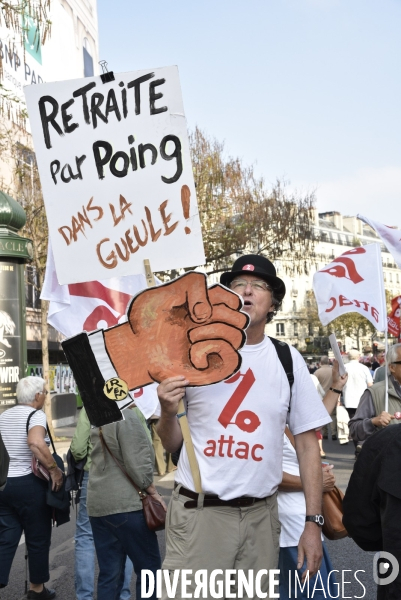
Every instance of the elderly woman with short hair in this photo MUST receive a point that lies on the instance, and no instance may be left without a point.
(23, 505)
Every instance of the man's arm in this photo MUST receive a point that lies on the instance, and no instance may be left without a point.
(365, 422)
(170, 392)
(293, 483)
(310, 467)
(81, 441)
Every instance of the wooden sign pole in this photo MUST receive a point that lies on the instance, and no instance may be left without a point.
(181, 414)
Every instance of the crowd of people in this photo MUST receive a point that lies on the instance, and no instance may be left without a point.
(261, 470)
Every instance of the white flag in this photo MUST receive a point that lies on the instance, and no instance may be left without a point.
(391, 237)
(94, 305)
(353, 282)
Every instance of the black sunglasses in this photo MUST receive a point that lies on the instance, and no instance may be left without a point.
(396, 362)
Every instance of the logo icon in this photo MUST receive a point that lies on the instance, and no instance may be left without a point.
(102, 316)
(116, 389)
(248, 268)
(385, 568)
(346, 268)
(246, 420)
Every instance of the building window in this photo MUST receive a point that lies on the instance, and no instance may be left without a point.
(385, 276)
(88, 60)
(390, 277)
(310, 329)
(280, 329)
(295, 329)
(398, 278)
(294, 306)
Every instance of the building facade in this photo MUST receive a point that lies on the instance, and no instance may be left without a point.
(334, 234)
(71, 51)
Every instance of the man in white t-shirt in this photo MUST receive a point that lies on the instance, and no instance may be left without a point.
(237, 430)
(359, 378)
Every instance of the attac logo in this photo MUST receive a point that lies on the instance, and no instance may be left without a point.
(116, 300)
(248, 268)
(347, 268)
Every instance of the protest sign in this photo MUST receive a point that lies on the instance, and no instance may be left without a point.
(116, 174)
(337, 353)
(180, 327)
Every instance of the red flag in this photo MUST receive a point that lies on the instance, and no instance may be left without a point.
(393, 318)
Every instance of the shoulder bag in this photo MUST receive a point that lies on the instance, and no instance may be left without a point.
(154, 513)
(333, 527)
(37, 468)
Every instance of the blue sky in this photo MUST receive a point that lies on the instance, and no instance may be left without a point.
(309, 90)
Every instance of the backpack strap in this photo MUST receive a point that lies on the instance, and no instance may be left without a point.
(284, 355)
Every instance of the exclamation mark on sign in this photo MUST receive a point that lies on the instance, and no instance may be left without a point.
(185, 201)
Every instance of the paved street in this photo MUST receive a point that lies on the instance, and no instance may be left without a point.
(346, 556)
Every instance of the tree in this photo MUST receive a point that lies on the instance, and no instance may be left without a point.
(352, 324)
(239, 214)
(21, 17)
(29, 194)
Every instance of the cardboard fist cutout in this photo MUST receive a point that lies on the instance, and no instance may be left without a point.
(178, 328)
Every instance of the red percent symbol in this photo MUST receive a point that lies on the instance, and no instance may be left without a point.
(246, 420)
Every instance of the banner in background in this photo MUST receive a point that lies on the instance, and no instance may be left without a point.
(353, 282)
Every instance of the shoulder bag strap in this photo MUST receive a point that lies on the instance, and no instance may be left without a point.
(29, 418)
(47, 428)
(284, 355)
(132, 482)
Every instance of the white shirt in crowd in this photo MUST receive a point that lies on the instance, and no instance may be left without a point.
(359, 377)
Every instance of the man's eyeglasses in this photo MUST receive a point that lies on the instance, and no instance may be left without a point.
(238, 285)
(396, 362)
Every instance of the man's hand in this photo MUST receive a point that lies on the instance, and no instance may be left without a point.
(338, 381)
(383, 419)
(180, 328)
(310, 549)
(170, 392)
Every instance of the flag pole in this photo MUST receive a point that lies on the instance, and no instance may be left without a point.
(385, 333)
(386, 367)
(181, 413)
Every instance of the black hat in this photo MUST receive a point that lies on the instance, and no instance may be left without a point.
(258, 265)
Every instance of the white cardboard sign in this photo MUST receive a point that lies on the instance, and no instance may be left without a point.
(116, 174)
(337, 353)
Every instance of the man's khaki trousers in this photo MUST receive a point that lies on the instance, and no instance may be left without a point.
(211, 538)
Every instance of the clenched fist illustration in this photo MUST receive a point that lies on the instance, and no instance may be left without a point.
(179, 328)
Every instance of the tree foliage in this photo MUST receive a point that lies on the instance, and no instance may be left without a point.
(352, 324)
(16, 15)
(240, 214)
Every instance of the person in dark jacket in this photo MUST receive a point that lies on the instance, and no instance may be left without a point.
(372, 503)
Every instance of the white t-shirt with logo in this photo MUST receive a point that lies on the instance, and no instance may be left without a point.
(237, 425)
(359, 377)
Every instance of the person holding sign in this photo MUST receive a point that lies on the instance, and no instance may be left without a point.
(237, 429)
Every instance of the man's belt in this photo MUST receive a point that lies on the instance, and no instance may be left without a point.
(212, 500)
